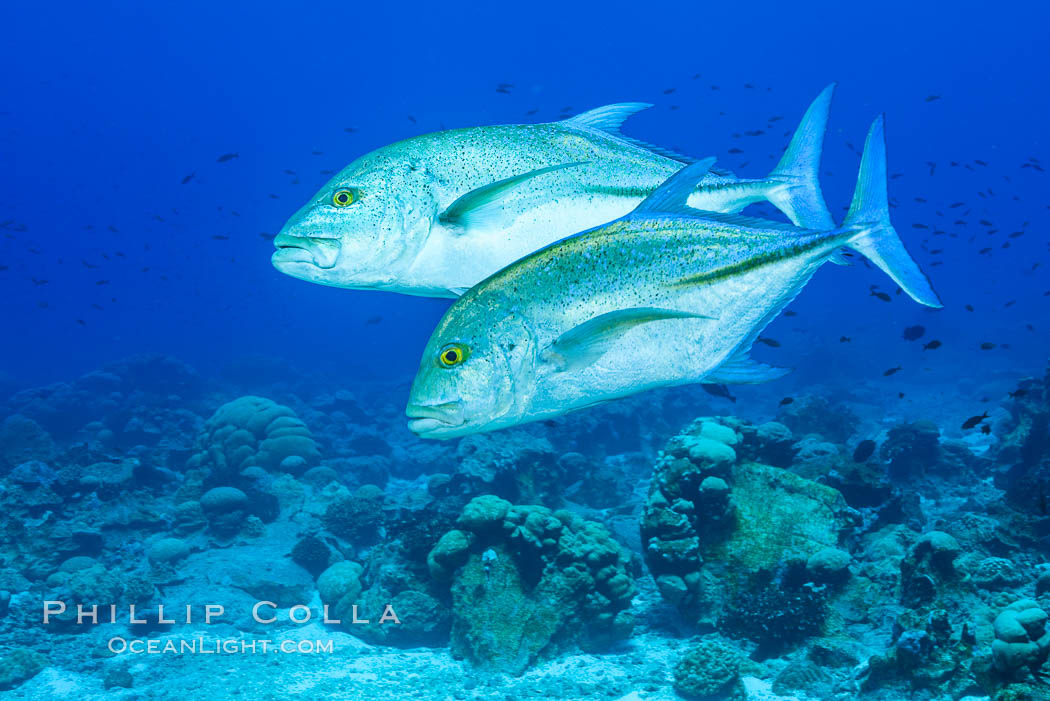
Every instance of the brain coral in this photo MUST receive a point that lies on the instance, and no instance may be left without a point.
(254, 431)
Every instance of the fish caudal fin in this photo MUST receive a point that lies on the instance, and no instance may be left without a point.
(800, 197)
(869, 215)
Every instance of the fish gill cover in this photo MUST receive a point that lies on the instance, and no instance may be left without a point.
(585, 245)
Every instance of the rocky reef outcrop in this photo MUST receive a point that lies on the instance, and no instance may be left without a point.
(750, 549)
(254, 432)
(527, 582)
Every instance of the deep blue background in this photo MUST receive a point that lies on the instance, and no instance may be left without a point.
(107, 106)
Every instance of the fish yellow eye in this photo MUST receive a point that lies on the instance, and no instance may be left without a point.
(343, 198)
(452, 355)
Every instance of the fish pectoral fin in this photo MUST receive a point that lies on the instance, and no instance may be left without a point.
(483, 207)
(741, 369)
(582, 345)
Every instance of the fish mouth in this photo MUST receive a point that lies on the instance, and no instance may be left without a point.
(433, 419)
(317, 251)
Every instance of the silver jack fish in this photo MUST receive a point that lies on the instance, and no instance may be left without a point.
(436, 214)
(664, 296)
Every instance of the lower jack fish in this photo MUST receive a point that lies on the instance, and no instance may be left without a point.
(666, 295)
(436, 214)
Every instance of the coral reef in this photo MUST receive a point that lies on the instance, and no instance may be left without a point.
(835, 553)
(526, 582)
(815, 414)
(254, 432)
(356, 517)
(731, 542)
(1022, 642)
(911, 448)
(710, 671)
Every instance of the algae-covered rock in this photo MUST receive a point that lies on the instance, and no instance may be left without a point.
(97, 584)
(254, 431)
(272, 579)
(358, 516)
(1019, 692)
(718, 532)
(18, 666)
(311, 554)
(815, 414)
(118, 678)
(774, 517)
(928, 656)
(421, 618)
(912, 449)
(513, 464)
(710, 671)
(927, 567)
(531, 584)
(781, 516)
(400, 609)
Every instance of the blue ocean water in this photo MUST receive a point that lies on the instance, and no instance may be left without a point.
(152, 151)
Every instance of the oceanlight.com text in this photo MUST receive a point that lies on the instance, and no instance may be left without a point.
(220, 646)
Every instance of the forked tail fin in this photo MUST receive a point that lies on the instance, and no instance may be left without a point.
(799, 169)
(870, 216)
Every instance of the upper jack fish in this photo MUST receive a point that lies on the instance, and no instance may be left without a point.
(436, 214)
(664, 296)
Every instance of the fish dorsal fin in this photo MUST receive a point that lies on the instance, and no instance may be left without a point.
(741, 369)
(673, 193)
(610, 118)
(582, 345)
(483, 206)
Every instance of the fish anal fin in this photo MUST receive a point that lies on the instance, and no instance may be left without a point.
(741, 369)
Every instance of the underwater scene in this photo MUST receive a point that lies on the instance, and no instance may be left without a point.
(565, 351)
